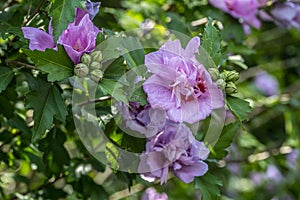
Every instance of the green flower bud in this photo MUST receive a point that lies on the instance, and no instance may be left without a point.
(86, 59)
(214, 73)
(221, 84)
(95, 65)
(81, 70)
(96, 75)
(230, 88)
(232, 76)
(97, 56)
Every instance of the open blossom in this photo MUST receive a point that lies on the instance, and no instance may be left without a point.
(180, 84)
(77, 39)
(174, 149)
(142, 119)
(151, 194)
(241, 9)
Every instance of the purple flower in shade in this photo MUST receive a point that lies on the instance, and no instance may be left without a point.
(241, 9)
(292, 159)
(266, 83)
(175, 149)
(273, 174)
(39, 40)
(142, 119)
(151, 194)
(286, 14)
(92, 8)
(180, 84)
(79, 39)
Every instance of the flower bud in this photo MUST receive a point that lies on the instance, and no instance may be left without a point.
(96, 75)
(232, 76)
(221, 84)
(97, 56)
(86, 59)
(95, 65)
(81, 70)
(214, 73)
(230, 88)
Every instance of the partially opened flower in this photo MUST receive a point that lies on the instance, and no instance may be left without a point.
(173, 149)
(180, 84)
(79, 39)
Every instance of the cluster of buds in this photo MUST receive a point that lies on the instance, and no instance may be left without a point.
(90, 66)
(225, 80)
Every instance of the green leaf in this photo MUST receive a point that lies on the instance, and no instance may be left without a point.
(47, 103)
(6, 75)
(55, 154)
(114, 88)
(228, 133)
(134, 54)
(57, 64)
(208, 186)
(239, 107)
(211, 42)
(62, 13)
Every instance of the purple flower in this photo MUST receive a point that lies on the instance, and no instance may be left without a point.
(79, 39)
(175, 149)
(39, 40)
(287, 14)
(241, 9)
(92, 8)
(180, 84)
(292, 159)
(142, 119)
(266, 83)
(151, 194)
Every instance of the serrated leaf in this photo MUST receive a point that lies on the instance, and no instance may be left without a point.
(6, 74)
(211, 42)
(62, 13)
(228, 133)
(208, 186)
(47, 103)
(239, 107)
(57, 64)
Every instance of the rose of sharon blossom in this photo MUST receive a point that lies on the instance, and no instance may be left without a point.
(79, 39)
(180, 84)
(287, 14)
(151, 194)
(242, 9)
(173, 149)
(266, 83)
(142, 119)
